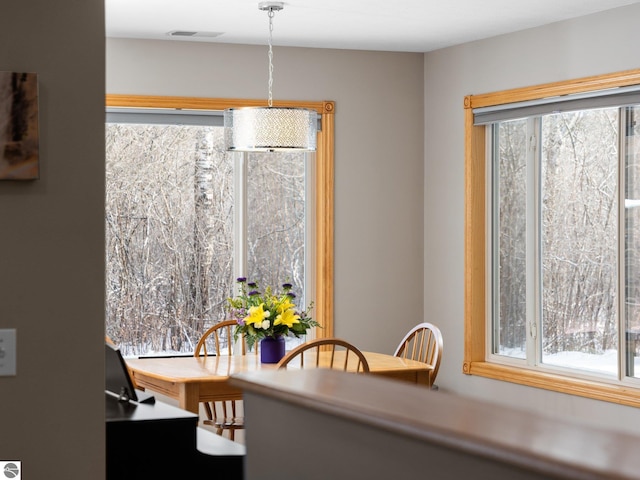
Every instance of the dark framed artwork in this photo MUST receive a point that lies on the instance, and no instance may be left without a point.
(19, 138)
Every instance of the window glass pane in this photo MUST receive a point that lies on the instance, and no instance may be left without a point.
(169, 250)
(276, 221)
(510, 196)
(275, 213)
(632, 241)
(579, 239)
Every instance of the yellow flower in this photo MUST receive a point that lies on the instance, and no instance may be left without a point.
(288, 318)
(285, 304)
(256, 315)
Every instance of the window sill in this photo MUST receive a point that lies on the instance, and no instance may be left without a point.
(622, 395)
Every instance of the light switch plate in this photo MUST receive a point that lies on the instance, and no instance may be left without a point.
(7, 352)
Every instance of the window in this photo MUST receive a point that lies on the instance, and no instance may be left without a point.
(551, 264)
(184, 219)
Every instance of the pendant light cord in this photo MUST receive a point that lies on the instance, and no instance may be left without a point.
(271, 14)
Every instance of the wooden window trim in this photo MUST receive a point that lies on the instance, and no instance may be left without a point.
(323, 306)
(475, 288)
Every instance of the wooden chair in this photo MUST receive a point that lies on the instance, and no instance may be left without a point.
(331, 353)
(423, 343)
(222, 414)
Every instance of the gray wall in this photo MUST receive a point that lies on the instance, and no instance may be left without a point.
(378, 156)
(52, 246)
(592, 45)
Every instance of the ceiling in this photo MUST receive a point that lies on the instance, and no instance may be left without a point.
(392, 25)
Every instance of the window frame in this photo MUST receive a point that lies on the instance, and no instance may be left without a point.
(477, 318)
(324, 181)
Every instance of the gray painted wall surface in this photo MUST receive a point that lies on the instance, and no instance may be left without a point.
(52, 246)
(378, 156)
(591, 45)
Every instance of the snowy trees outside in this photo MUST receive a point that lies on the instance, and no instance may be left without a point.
(577, 157)
(170, 231)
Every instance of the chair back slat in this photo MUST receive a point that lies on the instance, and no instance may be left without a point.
(220, 338)
(333, 348)
(422, 343)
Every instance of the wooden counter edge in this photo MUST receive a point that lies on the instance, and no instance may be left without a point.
(477, 428)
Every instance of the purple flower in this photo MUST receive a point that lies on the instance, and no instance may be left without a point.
(252, 285)
(287, 286)
(291, 295)
(241, 279)
(240, 321)
(255, 292)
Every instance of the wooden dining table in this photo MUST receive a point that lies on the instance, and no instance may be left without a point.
(192, 380)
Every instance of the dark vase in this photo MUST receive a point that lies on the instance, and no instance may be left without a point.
(271, 349)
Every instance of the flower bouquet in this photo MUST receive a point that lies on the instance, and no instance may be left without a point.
(268, 314)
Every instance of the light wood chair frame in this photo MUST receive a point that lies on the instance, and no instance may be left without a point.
(330, 345)
(228, 326)
(423, 343)
(230, 419)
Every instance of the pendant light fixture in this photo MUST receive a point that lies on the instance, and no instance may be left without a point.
(267, 129)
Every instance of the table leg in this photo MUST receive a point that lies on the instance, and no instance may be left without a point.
(423, 377)
(188, 397)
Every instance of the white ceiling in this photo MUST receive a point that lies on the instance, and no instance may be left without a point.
(392, 25)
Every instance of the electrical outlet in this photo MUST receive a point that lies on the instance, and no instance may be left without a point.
(7, 352)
